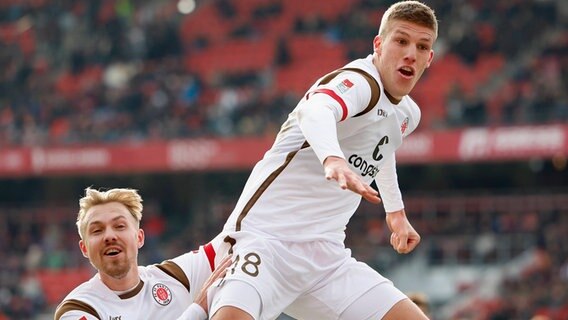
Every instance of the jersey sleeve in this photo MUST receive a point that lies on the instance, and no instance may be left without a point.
(76, 315)
(387, 182)
(197, 265)
(324, 106)
(347, 94)
(318, 124)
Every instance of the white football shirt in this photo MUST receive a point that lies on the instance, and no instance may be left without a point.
(166, 291)
(287, 196)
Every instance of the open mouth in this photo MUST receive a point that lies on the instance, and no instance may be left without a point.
(407, 72)
(112, 252)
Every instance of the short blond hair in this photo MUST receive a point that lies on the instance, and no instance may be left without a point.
(410, 11)
(128, 197)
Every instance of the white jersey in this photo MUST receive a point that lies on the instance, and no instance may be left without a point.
(166, 291)
(287, 196)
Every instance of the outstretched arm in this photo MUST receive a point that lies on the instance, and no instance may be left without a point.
(336, 168)
(318, 119)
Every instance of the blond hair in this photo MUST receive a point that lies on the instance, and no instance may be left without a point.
(128, 197)
(410, 11)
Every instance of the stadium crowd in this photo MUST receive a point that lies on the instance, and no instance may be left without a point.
(38, 245)
(119, 70)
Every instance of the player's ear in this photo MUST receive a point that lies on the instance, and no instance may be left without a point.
(377, 44)
(430, 58)
(140, 238)
(83, 248)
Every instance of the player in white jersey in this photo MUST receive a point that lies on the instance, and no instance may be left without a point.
(287, 230)
(109, 226)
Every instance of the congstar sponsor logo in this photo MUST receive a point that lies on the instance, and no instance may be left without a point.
(364, 167)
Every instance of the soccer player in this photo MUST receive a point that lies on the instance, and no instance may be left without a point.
(287, 229)
(109, 227)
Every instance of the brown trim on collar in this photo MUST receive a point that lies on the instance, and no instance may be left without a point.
(133, 292)
(375, 90)
(174, 271)
(72, 304)
(392, 99)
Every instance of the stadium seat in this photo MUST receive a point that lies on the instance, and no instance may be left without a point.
(57, 284)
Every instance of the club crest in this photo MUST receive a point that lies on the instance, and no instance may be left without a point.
(162, 294)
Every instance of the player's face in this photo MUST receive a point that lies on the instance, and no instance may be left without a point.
(402, 55)
(112, 240)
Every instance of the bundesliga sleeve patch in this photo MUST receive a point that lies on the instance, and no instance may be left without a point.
(344, 86)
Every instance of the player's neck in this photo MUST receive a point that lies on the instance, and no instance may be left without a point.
(126, 292)
(121, 284)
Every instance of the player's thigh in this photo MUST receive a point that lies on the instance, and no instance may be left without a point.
(405, 309)
(238, 300)
(229, 313)
(269, 273)
(345, 286)
(377, 303)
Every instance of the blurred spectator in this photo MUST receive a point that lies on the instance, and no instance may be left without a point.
(226, 8)
(99, 72)
(282, 57)
(455, 105)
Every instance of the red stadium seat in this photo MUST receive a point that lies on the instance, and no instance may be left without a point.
(57, 284)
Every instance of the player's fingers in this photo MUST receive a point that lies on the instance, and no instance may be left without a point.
(221, 269)
(411, 246)
(370, 190)
(372, 198)
(370, 194)
(227, 261)
(355, 184)
(362, 188)
(393, 241)
(402, 243)
(342, 181)
(329, 174)
(222, 273)
(413, 242)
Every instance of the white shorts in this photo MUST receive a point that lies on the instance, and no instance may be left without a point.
(306, 280)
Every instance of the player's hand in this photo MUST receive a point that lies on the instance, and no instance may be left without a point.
(403, 237)
(336, 168)
(219, 273)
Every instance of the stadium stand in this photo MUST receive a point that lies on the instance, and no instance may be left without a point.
(106, 61)
(115, 71)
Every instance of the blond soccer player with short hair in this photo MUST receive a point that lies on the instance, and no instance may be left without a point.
(109, 226)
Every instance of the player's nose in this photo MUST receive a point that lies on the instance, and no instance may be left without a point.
(410, 53)
(109, 235)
